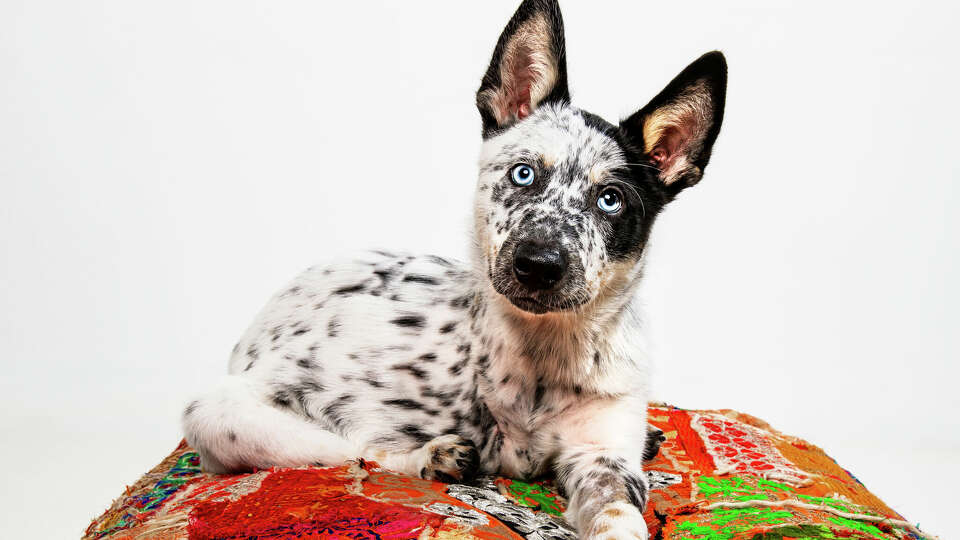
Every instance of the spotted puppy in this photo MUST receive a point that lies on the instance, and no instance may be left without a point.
(527, 361)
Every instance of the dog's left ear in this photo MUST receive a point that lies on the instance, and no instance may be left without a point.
(677, 129)
(528, 69)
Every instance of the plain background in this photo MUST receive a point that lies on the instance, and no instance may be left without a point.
(165, 166)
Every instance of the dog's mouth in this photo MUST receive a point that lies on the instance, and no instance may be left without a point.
(539, 307)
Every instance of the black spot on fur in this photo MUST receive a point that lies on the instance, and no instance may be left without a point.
(351, 289)
(447, 328)
(191, 407)
(483, 362)
(418, 278)
(439, 260)
(332, 411)
(538, 394)
(457, 368)
(404, 404)
(301, 331)
(498, 191)
(371, 379)
(414, 370)
(416, 433)
(410, 321)
(253, 352)
(636, 490)
(461, 302)
(613, 470)
(301, 392)
(232, 436)
(282, 399)
(480, 417)
(495, 443)
(429, 357)
(249, 367)
(444, 397)
(306, 363)
(333, 327)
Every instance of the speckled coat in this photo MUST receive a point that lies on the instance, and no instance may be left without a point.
(442, 369)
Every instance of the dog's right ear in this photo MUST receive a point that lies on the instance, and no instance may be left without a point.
(528, 69)
(677, 129)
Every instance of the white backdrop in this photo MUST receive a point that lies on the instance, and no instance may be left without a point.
(165, 166)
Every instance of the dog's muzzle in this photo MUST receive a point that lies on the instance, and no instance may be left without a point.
(539, 272)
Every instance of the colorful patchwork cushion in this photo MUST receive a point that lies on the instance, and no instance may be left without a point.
(719, 475)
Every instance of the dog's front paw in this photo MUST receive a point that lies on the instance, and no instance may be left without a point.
(617, 521)
(651, 447)
(450, 458)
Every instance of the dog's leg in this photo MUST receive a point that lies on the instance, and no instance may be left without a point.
(599, 467)
(448, 458)
(234, 428)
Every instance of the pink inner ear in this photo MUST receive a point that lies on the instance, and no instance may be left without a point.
(520, 105)
(523, 111)
(667, 148)
(659, 156)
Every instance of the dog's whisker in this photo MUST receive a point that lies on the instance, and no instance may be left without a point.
(647, 165)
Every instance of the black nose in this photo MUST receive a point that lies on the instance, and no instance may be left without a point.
(539, 266)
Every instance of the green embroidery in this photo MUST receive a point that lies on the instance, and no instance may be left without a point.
(858, 526)
(799, 532)
(534, 495)
(752, 515)
(738, 488)
(770, 485)
(725, 487)
(702, 532)
(729, 522)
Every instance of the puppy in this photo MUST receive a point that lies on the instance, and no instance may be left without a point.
(529, 359)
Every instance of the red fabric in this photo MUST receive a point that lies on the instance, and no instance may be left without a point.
(307, 504)
(690, 441)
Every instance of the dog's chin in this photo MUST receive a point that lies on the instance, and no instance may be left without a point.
(536, 302)
(529, 305)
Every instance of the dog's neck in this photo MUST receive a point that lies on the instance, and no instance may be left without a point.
(598, 345)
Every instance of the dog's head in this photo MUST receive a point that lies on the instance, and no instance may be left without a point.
(566, 200)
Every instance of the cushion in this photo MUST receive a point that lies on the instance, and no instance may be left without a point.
(719, 475)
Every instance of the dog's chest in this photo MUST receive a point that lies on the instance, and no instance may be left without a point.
(526, 428)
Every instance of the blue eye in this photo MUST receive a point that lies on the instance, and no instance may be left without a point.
(522, 174)
(610, 200)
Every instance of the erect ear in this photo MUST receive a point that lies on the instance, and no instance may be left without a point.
(677, 129)
(528, 69)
